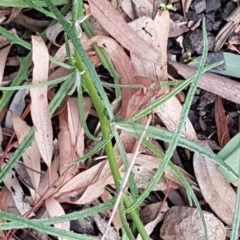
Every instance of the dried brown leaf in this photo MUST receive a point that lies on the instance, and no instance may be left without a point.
(75, 127)
(3, 53)
(185, 223)
(214, 83)
(159, 216)
(123, 65)
(170, 112)
(221, 123)
(143, 8)
(31, 156)
(39, 106)
(55, 209)
(215, 189)
(114, 24)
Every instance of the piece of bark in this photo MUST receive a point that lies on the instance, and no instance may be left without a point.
(216, 84)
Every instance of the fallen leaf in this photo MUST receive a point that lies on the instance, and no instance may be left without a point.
(151, 211)
(143, 8)
(102, 226)
(17, 106)
(76, 130)
(39, 106)
(216, 84)
(123, 66)
(4, 201)
(185, 223)
(55, 209)
(215, 189)
(113, 23)
(157, 219)
(13, 185)
(170, 112)
(3, 53)
(35, 25)
(221, 123)
(31, 156)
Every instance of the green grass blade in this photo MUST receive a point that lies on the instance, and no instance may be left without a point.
(123, 154)
(29, 223)
(97, 148)
(177, 132)
(22, 4)
(82, 116)
(160, 134)
(68, 77)
(148, 109)
(14, 39)
(18, 79)
(82, 57)
(17, 155)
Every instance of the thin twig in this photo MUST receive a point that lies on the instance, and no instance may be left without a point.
(125, 180)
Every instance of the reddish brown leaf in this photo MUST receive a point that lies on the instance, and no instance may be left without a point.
(115, 25)
(221, 123)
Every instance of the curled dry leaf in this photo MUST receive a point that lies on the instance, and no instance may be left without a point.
(55, 209)
(31, 156)
(3, 53)
(114, 24)
(216, 84)
(221, 123)
(215, 189)
(185, 223)
(35, 25)
(39, 106)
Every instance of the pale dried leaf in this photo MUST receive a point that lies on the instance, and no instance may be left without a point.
(39, 106)
(116, 220)
(213, 83)
(75, 127)
(151, 211)
(170, 112)
(4, 201)
(114, 24)
(31, 156)
(185, 223)
(143, 8)
(215, 189)
(158, 218)
(55, 209)
(102, 226)
(3, 53)
(13, 185)
(17, 106)
(186, 4)
(146, 30)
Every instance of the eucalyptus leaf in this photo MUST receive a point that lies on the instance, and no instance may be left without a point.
(231, 156)
(232, 62)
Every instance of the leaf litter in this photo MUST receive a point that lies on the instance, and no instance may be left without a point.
(137, 45)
